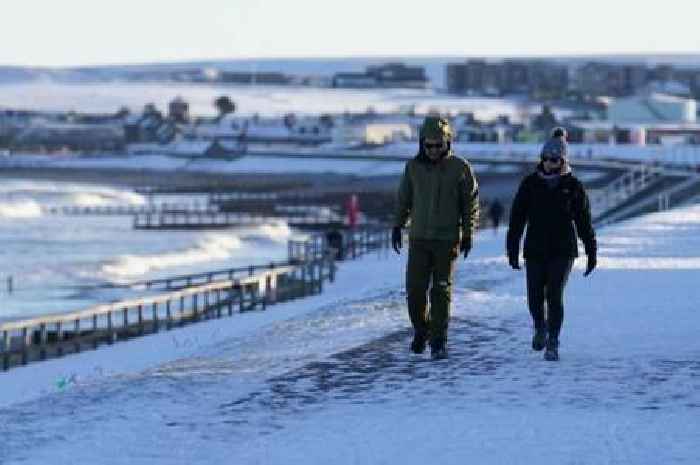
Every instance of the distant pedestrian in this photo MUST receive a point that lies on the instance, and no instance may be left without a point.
(439, 193)
(496, 213)
(554, 205)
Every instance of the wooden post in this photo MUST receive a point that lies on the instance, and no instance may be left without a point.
(218, 303)
(268, 297)
(111, 334)
(43, 336)
(126, 322)
(155, 317)
(168, 315)
(182, 310)
(195, 315)
(205, 306)
(94, 331)
(241, 308)
(320, 263)
(25, 350)
(6, 347)
(59, 338)
(76, 334)
(140, 311)
(230, 301)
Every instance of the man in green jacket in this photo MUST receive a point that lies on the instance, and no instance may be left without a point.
(440, 196)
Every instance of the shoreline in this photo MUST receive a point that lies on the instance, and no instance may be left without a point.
(133, 178)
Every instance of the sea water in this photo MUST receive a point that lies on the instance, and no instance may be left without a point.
(60, 263)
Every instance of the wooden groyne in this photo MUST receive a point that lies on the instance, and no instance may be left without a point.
(218, 220)
(128, 210)
(310, 265)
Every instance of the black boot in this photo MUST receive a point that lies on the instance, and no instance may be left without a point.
(552, 352)
(539, 339)
(418, 343)
(438, 349)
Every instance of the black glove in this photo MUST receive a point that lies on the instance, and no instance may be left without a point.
(396, 239)
(592, 262)
(465, 245)
(513, 259)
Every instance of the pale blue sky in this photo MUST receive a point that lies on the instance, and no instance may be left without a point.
(86, 32)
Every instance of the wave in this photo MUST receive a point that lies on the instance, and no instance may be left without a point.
(208, 248)
(20, 209)
(51, 194)
(279, 232)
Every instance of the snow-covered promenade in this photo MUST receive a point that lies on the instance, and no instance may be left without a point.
(329, 379)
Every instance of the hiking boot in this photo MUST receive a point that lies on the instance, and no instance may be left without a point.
(551, 354)
(539, 339)
(418, 344)
(438, 350)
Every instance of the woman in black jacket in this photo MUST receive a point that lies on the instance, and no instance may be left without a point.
(554, 206)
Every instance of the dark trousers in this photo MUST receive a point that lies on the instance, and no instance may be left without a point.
(546, 280)
(430, 261)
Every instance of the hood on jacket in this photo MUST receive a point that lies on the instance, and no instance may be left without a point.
(434, 127)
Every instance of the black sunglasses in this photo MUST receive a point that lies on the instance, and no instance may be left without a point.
(552, 159)
(433, 146)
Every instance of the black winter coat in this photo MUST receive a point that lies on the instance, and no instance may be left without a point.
(553, 216)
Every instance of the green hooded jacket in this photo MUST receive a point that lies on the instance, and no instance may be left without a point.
(441, 198)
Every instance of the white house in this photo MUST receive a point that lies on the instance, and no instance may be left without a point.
(371, 132)
(652, 108)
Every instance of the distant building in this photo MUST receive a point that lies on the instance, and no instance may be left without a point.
(369, 132)
(354, 80)
(538, 78)
(262, 78)
(311, 131)
(610, 79)
(398, 75)
(389, 75)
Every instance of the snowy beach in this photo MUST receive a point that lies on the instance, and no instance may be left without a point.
(330, 379)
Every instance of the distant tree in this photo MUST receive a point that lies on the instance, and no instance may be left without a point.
(122, 113)
(326, 120)
(224, 105)
(150, 110)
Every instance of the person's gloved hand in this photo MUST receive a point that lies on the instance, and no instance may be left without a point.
(513, 259)
(465, 245)
(396, 239)
(592, 262)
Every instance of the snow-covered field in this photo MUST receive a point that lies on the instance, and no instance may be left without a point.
(329, 379)
(250, 100)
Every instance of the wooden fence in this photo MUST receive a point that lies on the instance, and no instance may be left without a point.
(311, 263)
